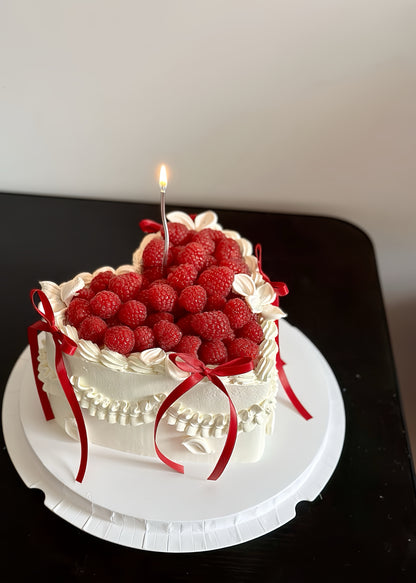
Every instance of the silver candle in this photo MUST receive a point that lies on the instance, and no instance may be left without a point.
(163, 184)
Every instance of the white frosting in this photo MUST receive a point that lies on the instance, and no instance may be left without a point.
(126, 391)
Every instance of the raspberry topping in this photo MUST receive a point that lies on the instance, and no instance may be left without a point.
(193, 298)
(213, 352)
(153, 253)
(238, 313)
(77, 311)
(253, 331)
(162, 297)
(193, 253)
(167, 334)
(100, 281)
(126, 285)
(92, 328)
(182, 276)
(217, 280)
(143, 338)
(211, 325)
(178, 233)
(105, 304)
(241, 347)
(188, 344)
(132, 313)
(120, 339)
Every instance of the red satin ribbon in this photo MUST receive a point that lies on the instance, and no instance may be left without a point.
(63, 344)
(149, 226)
(198, 372)
(281, 289)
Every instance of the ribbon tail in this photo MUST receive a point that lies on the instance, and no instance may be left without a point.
(231, 435)
(185, 385)
(76, 410)
(289, 391)
(32, 335)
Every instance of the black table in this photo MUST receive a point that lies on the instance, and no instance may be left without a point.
(364, 521)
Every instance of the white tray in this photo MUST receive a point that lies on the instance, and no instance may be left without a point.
(139, 502)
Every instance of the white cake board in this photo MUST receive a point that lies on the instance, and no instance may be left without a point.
(139, 502)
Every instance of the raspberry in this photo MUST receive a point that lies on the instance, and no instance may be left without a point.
(211, 325)
(215, 302)
(237, 265)
(216, 280)
(120, 339)
(205, 239)
(157, 316)
(177, 233)
(193, 298)
(182, 276)
(242, 347)
(193, 253)
(227, 249)
(92, 328)
(185, 324)
(143, 338)
(188, 344)
(162, 297)
(86, 293)
(126, 285)
(105, 304)
(213, 352)
(151, 274)
(167, 334)
(253, 331)
(100, 281)
(215, 234)
(132, 313)
(153, 253)
(238, 312)
(210, 260)
(77, 311)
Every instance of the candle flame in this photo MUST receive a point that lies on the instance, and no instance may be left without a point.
(163, 180)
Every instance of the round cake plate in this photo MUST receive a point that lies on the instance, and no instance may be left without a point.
(140, 503)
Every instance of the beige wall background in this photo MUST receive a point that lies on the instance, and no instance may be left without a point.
(302, 106)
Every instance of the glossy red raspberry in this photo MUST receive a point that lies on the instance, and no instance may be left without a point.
(193, 299)
(215, 302)
(86, 293)
(241, 347)
(143, 338)
(188, 344)
(120, 339)
(205, 239)
(132, 313)
(238, 313)
(185, 324)
(183, 276)
(213, 352)
(100, 281)
(126, 285)
(105, 304)
(178, 233)
(253, 331)
(92, 328)
(211, 325)
(236, 265)
(217, 280)
(157, 316)
(193, 253)
(77, 311)
(162, 297)
(153, 253)
(167, 334)
(227, 249)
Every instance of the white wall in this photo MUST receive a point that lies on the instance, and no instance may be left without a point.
(301, 105)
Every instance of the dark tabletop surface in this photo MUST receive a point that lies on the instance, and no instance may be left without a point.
(364, 521)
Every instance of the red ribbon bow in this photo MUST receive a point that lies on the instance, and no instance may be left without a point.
(149, 226)
(63, 344)
(198, 372)
(281, 289)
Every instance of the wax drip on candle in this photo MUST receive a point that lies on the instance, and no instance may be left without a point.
(163, 184)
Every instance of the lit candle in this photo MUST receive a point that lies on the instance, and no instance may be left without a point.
(163, 184)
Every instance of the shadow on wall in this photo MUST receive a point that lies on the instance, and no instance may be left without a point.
(402, 325)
